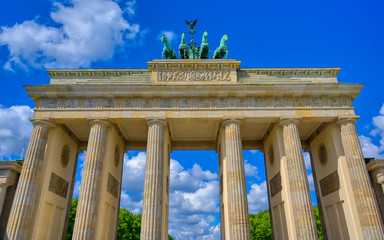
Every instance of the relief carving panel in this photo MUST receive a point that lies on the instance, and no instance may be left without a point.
(194, 76)
(196, 102)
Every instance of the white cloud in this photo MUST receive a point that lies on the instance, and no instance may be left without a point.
(134, 172)
(169, 34)
(76, 189)
(188, 180)
(85, 32)
(311, 182)
(203, 200)
(250, 170)
(307, 160)
(129, 204)
(369, 148)
(258, 197)
(15, 130)
(194, 197)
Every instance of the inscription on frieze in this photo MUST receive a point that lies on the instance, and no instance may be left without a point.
(194, 75)
(275, 184)
(58, 185)
(329, 184)
(112, 185)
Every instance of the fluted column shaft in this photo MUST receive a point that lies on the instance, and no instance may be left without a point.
(24, 202)
(237, 189)
(86, 216)
(153, 185)
(298, 181)
(367, 208)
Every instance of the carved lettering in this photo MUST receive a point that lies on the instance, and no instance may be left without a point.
(193, 76)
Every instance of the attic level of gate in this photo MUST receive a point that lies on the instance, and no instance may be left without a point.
(194, 71)
(194, 96)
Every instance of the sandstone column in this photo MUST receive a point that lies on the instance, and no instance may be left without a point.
(86, 215)
(19, 221)
(298, 181)
(237, 189)
(367, 208)
(153, 185)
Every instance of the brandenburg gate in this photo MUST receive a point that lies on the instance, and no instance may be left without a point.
(195, 104)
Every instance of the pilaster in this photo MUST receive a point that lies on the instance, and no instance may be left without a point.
(367, 208)
(298, 181)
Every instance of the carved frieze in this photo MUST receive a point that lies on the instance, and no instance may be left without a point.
(71, 103)
(206, 75)
(196, 102)
(91, 103)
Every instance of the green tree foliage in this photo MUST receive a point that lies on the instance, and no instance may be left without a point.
(71, 222)
(318, 223)
(129, 225)
(170, 237)
(260, 226)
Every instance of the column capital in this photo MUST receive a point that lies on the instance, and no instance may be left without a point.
(288, 120)
(44, 121)
(347, 119)
(161, 121)
(103, 121)
(228, 120)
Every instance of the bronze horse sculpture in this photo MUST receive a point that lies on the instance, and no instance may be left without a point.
(204, 48)
(168, 52)
(221, 51)
(183, 49)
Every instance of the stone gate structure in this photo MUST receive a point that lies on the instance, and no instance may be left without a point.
(195, 105)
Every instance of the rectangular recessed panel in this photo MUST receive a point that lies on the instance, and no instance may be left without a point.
(58, 185)
(329, 184)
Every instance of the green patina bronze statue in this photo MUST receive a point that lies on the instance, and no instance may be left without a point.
(222, 49)
(168, 52)
(183, 49)
(192, 51)
(204, 48)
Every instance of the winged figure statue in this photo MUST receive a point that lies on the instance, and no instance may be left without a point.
(191, 25)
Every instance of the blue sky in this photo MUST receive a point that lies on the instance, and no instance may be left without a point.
(35, 35)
